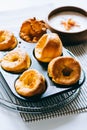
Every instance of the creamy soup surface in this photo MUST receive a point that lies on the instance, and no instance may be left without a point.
(59, 21)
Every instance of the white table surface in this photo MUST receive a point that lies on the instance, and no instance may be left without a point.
(10, 120)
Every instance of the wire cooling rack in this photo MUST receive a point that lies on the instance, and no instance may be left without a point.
(9, 100)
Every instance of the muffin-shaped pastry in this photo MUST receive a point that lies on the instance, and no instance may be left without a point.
(48, 47)
(16, 61)
(7, 40)
(30, 83)
(64, 70)
(32, 29)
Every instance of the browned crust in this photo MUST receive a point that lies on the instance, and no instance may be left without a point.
(30, 83)
(64, 70)
(32, 29)
(16, 61)
(7, 40)
(48, 47)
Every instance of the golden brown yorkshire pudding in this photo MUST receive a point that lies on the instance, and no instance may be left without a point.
(7, 40)
(64, 70)
(30, 83)
(32, 29)
(16, 61)
(48, 47)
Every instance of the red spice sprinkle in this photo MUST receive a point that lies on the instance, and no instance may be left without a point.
(69, 24)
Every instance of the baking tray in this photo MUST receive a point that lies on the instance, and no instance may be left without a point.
(52, 88)
(9, 101)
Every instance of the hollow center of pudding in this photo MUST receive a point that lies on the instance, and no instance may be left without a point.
(67, 71)
(15, 59)
(2, 39)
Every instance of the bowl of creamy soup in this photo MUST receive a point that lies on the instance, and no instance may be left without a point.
(70, 23)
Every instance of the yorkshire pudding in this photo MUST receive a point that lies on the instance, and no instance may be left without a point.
(48, 47)
(16, 61)
(30, 83)
(64, 70)
(32, 29)
(7, 40)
